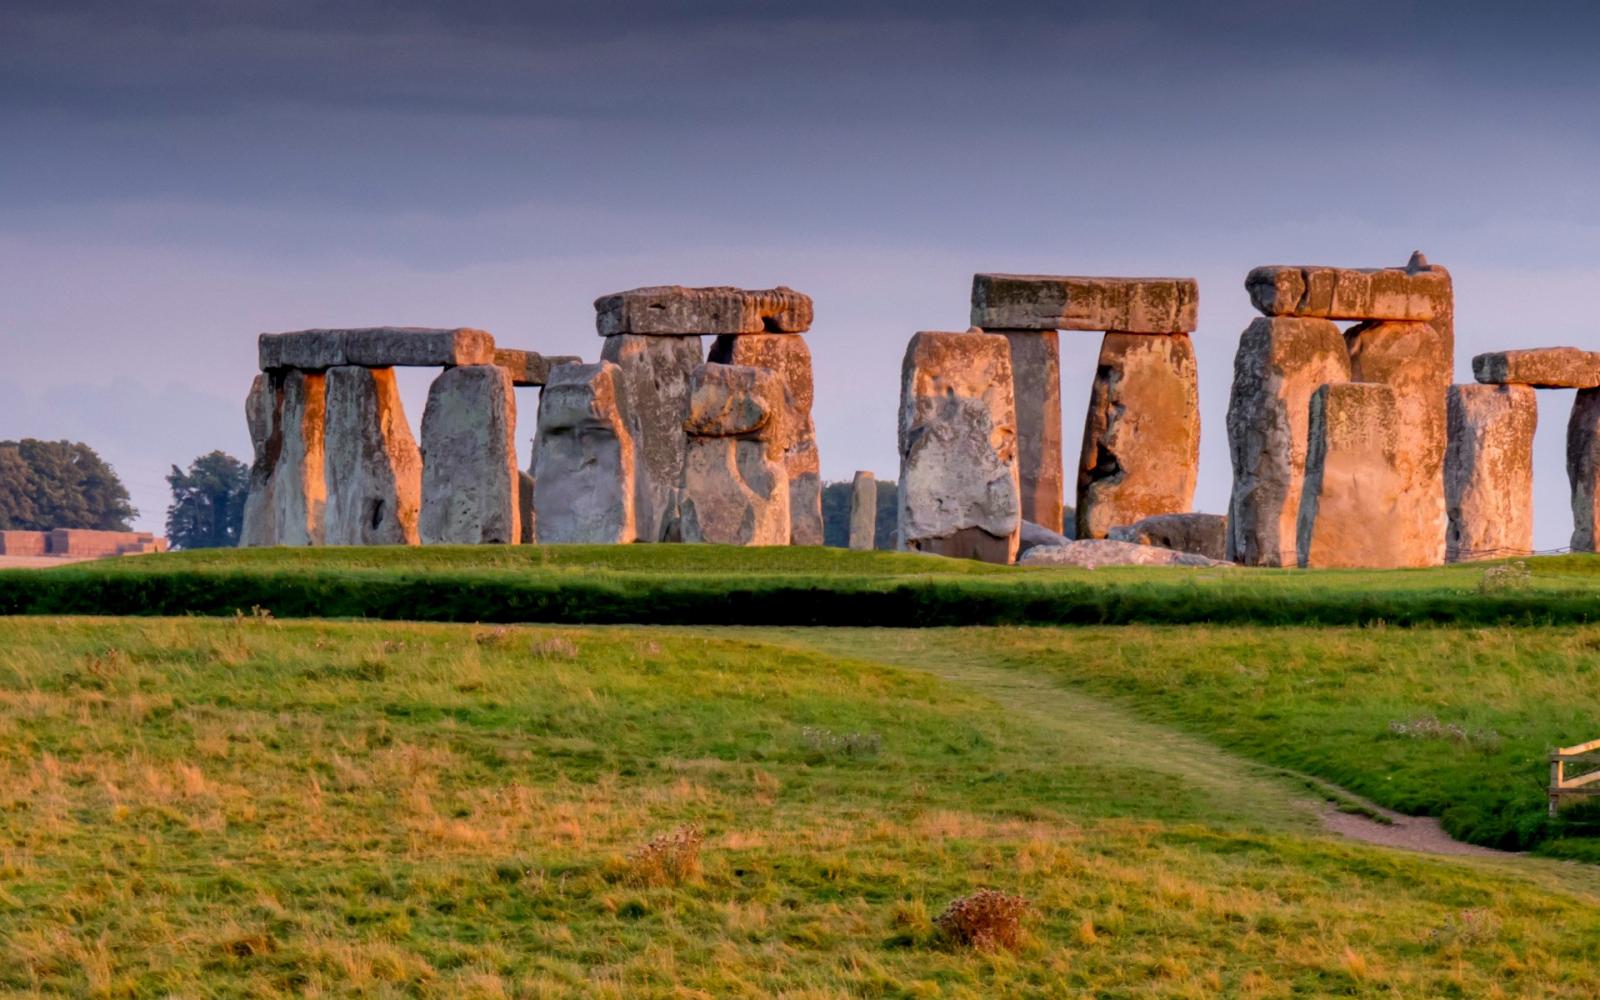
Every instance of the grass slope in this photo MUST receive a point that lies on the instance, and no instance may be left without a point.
(670, 584)
(262, 808)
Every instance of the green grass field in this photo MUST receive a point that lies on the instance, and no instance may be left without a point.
(258, 806)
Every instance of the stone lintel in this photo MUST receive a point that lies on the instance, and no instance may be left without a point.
(1542, 368)
(530, 368)
(375, 347)
(676, 311)
(1055, 302)
(1418, 291)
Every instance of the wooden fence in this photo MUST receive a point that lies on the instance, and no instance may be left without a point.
(1563, 787)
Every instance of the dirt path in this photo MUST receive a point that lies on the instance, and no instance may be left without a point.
(1410, 833)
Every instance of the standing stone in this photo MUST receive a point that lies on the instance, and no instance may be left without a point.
(584, 458)
(1349, 509)
(1488, 471)
(864, 512)
(263, 414)
(1036, 387)
(1202, 534)
(1583, 469)
(300, 488)
(735, 484)
(527, 532)
(1414, 359)
(959, 493)
(790, 358)
(1281, 361)
(469, 459)
(373, 468)
(1141, 441)
(653, 386)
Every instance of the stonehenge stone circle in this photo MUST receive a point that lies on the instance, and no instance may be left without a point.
(790, 358)
(653, 382)
(959, 493)
(1348, 515)
(1200, 534)
(1541, 368)
(1488, 471)
(469, 459)
(1036, 388)
(673, 310)
(863, 511)
(1414, 359)
(1141, 439)
(735, 483)
(584, 469)
(1583, 469)
(372, 466)
(1051, 302)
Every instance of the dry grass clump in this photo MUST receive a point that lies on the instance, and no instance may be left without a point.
(670, 859)
(825, 743)
(987, 920)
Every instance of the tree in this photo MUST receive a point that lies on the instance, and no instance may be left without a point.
(59, 484)
(207, 502)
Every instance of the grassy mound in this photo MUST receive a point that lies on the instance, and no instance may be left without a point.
(273, 809)
(683, 584)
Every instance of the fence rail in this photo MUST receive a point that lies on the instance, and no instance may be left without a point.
(1563, 787)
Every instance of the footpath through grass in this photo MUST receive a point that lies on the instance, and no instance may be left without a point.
(273, 809)
(691, 584)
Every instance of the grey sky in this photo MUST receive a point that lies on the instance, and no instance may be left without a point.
(180, 176)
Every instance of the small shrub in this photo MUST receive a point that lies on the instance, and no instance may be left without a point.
(825, 743)
(670, 859)
(555, 647)
(1469, 927)
(1505, 576)
(985, 921)
(1428, 727)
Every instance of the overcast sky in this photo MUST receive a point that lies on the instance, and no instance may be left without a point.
(178, 177)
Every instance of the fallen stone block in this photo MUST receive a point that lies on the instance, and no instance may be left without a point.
(1416, 360)
(790, 358)
(1488, 471)
(1034, 535)
(1094, 553)
(1419, 291)
(673, 310)
(1583, 469)
(1349, 507)
(959, 493)
(529, 369)
(1201, 534)
(375, 347)
(1281, 361)
(584, 458)
(372, 466)
(863, 512)
(653, 386)
(1541, 368)
(735, 485)
(1141, 440)
(1051, 302)
(469, 459)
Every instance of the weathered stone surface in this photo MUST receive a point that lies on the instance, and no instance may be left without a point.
(1035, 535)
(1093, 553)
(863, 511)
(1281, 361)
(1036, 388)
(653, 386)
(372, 468)
(959, 493)
(790, 358)
(1583, 469)
(375, 347)
(1415, 360)
(469, 459)
(673, 310)
(1202, 534)
(1542, 368)
(263, 414)
(530, 368)
(1488, 471)
(1418, 291)
(527, 525)
(1349, 508)
(1141, 440)
(584, 462)
(299, 488)
(735, 486)
(1051, 302)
